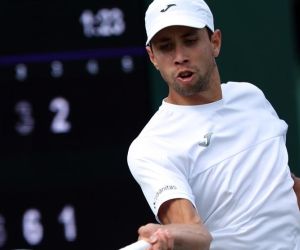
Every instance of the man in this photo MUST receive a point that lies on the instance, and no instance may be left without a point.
(212, 161)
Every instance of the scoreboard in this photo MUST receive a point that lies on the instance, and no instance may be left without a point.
(74, 92)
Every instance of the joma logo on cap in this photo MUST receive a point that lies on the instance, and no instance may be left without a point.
(168, 7)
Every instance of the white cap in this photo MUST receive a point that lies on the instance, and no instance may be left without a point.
(164, 13)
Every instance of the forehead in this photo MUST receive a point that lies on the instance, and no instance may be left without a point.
(175, 31)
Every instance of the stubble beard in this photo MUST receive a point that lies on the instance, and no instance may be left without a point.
(201, 84)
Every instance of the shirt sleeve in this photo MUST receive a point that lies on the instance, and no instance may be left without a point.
(158, 174)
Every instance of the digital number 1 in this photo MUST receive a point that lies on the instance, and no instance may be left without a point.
(67, 218)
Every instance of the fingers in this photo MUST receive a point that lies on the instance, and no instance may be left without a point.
(159, 237)
(161, 240)
(148, 230)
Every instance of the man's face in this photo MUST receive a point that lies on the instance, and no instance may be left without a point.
(185, 57)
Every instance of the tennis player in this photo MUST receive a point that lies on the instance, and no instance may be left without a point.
(212, 162)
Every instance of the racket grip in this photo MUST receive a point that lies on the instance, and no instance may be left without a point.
(138, 245)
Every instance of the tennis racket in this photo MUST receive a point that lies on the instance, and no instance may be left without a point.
(138, 245)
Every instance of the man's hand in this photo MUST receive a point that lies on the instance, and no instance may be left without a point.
(157, 236)
(182, 228)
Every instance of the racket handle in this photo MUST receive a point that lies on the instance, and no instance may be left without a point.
(138, 245)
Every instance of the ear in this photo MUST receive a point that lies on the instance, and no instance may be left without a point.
(152, 57)
(216, 40)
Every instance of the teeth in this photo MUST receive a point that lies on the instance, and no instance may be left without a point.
(185, 74)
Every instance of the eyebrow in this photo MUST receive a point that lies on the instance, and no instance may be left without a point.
(189, 33)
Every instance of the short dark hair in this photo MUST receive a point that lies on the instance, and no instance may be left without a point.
(209, 32)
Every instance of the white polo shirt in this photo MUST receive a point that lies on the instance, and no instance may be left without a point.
(229, 159)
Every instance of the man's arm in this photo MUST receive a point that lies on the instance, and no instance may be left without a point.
(182, 228)
(297, 188)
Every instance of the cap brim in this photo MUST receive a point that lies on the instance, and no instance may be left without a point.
(180, 20)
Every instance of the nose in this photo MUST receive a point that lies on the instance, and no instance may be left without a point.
(180, 55)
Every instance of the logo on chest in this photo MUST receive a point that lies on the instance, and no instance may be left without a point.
(205, 141)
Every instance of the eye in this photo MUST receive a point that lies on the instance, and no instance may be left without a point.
(191, 40)
(165, 47)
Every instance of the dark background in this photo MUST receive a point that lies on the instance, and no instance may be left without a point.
(84, 167)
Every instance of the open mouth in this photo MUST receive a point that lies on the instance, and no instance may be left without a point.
(185, 75)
